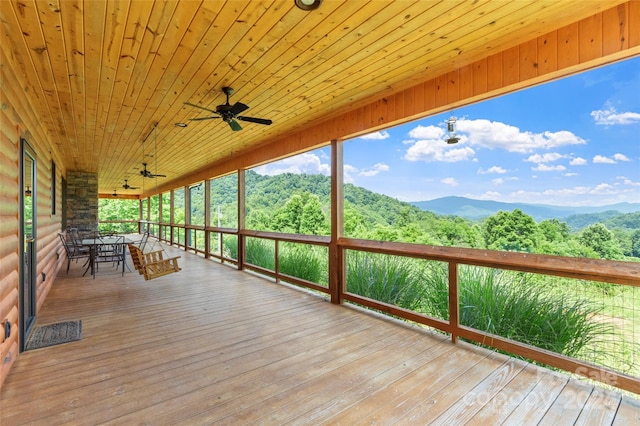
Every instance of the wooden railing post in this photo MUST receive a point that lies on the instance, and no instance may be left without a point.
(276, 263)
(207, 218)
(336, 256)
(454, 314)
(241, 217)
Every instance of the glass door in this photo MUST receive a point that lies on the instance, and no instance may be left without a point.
(27, 242)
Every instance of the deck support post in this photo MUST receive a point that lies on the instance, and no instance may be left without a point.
(336, 255)
(241, 217)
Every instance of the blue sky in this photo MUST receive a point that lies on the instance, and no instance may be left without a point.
(571, 142)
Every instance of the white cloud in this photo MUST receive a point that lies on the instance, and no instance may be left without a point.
(601, 159)
(578, 161)
(491, 134)
(620, 157)
(569, 174)
(628, 181)
(450, 181)
(492, 169)
(437, 150)
(427, 132)
(544, 158)
(349, 171)
(498, 181)
(610, 117)
(377, 136)
(489, 195)
(377, 168)
(545, 168)
(299, 164)
(577, 196)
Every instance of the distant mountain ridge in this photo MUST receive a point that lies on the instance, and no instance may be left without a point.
(478, 209)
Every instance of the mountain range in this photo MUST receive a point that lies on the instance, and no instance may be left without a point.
(478, 209)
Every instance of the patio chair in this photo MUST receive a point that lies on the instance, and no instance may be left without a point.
(73, 251)
(109, 251)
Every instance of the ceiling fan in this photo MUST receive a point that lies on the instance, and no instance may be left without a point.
(127, 186)
(146, 173)
(229, 113)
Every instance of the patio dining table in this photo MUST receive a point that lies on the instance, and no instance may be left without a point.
(118, 243)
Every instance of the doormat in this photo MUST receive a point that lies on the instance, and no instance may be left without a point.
(54, 334)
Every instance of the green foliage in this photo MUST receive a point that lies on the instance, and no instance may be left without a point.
(513, 231)
(611, 219)
(261, 253)
(635, 244)
(601, 240)
(305, 262)
(390, 279)
(118, 209)
(554, 231)
(508, 304)
(230, 246)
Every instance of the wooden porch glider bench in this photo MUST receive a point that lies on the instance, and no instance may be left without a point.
(152, 265)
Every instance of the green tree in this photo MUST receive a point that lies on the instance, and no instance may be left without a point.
(313, 220)
(515, 231)
(601, 240)
(288, 218)
(554, 230)
(635, 244)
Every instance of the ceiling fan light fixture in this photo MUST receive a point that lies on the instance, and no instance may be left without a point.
(307, 5)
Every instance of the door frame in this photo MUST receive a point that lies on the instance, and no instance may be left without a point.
(27, 266)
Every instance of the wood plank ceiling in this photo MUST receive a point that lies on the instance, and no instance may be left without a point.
(101, 73)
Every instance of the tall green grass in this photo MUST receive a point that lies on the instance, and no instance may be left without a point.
(391, 279)
(303, 261)
(504, 303)
(261, 253)
(230, 246)
(508, 304)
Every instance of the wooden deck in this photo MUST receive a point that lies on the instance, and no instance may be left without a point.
(212, 345)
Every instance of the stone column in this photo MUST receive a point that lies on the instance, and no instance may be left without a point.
(82, 201)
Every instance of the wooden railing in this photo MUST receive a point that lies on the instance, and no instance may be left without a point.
(614, 272)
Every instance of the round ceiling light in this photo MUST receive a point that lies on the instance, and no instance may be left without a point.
(307, 4)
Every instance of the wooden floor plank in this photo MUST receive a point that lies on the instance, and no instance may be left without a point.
(498, 408)
(628, 412)
(534, 406)
(569, 403)
(600, 408)
(481, 395)
(213, 345)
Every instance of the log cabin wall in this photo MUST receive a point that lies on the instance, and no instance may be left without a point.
(17, 119)
(603, 38)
